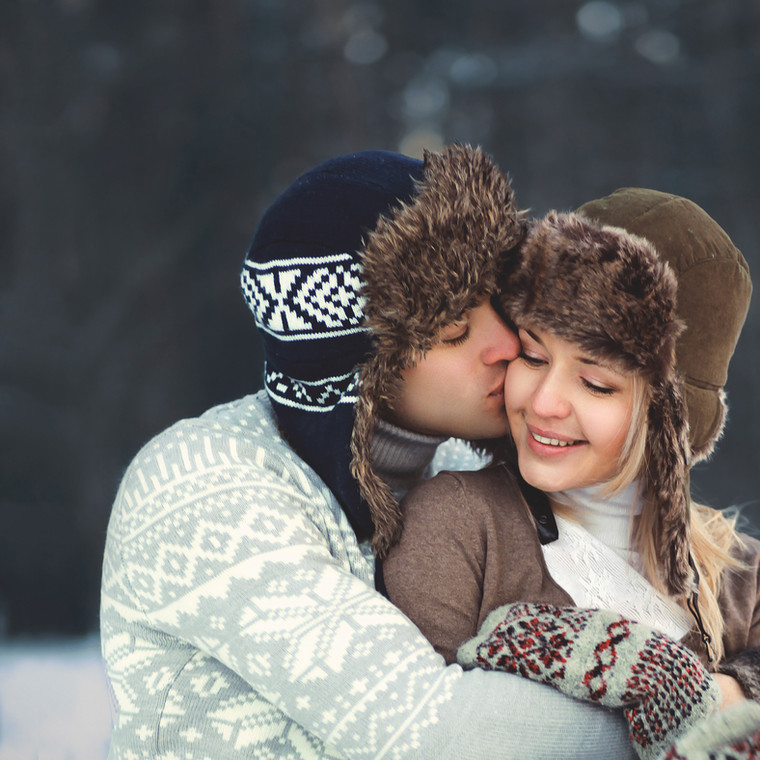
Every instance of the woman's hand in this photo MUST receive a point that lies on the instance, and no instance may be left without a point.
(598, 656)
(730, 690)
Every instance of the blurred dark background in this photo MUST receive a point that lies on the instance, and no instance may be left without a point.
(140, 141)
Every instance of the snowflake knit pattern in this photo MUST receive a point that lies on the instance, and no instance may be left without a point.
(598, 656)
(239, 617)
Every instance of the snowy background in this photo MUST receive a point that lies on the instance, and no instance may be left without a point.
(53, 701)
(139, 143)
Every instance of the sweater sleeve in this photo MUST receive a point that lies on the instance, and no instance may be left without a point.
(223, 585)
(435, 573)
(740, 603)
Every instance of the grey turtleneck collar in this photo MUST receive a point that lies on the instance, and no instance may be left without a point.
(400, 457)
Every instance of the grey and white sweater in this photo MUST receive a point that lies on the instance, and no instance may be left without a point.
(239, 619)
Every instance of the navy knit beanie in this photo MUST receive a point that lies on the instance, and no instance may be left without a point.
(302, 279)
(351, 274)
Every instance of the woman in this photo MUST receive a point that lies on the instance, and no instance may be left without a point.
(599, 424)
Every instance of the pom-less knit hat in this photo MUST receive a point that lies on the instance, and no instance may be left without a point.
(714, 290)
(607, 291)
(351, 274)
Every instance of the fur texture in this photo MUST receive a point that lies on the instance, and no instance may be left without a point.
(714, 290)
(424, 266)
(745, 668)
(606, 290)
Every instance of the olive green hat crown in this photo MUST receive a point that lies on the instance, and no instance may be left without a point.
(714, 290)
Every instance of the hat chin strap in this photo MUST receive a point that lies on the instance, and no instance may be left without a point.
(692, 599)
(692, 602)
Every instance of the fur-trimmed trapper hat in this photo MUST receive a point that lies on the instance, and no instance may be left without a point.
(607, 291)
(352, 272)
(714, 290)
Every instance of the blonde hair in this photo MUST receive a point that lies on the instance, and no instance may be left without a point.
(712, 534)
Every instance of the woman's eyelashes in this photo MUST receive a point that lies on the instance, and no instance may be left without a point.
(531, 360)
(594, 386)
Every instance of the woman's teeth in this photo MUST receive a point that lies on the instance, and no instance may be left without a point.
(551, 441)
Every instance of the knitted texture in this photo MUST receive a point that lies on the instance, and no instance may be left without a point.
(596, 576)
(732, 734)
(238, 614)
(302, 280)
(598, 656)
(351, 274)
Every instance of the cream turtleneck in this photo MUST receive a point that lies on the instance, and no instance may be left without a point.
(592, 559)
(608, 518)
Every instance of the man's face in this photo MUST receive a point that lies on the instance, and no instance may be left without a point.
(458, 388)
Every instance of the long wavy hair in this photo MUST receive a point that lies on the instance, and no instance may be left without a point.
(713, 534)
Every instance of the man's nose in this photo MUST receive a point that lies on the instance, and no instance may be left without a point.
(502, 343)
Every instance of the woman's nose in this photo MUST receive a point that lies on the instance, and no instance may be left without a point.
(549, 399)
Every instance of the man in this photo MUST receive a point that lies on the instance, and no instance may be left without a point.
(239, 610)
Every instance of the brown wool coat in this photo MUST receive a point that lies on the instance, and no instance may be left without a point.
(469, 545)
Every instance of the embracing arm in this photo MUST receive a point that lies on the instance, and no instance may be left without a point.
(598, 656)
(231, 582)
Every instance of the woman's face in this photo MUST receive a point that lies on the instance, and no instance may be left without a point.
(569, 414)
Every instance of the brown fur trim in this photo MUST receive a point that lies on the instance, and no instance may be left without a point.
(701, 452)
(607, 291)
(714, 290)
(437, 256)
(666, 469)
(745, 668)
(599, 287)
(424, 266)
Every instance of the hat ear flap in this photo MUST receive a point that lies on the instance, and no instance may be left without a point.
(375, 388)
(667, 482)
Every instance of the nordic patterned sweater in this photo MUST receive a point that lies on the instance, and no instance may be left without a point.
(239, 619)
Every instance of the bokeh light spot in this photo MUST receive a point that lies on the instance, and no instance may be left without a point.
(365, 46)
(599, 19)
(658, 46)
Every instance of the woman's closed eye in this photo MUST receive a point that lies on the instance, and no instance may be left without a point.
(597, 388)
(531, 359)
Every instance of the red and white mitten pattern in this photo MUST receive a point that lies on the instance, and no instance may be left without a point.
(599, 656)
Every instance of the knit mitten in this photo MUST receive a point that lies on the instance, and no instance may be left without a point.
(731, 734)
(598, 656)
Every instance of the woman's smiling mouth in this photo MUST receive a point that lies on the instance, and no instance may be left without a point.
(553, 441)
(538, 439)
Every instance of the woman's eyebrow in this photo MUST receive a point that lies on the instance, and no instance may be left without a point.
(532, 335)
(582, 358)
(597, 363)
